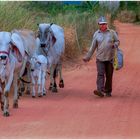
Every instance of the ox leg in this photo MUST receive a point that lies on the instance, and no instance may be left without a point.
(33, 85)
(23, 72)
(28, 89)
(54, 87)
(51, 78)
(21, 88)
(50, 87)
(15, 102)
(29, 79)
(61, 82)
(33, 90)
(39, 83)
(43, 83)
(1, 95)
(6, 105)
(1, 99)
(39, 90)
(6, 91)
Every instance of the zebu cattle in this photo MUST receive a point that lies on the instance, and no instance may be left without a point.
(29, 41)
(52, 44)
(13, 58)
(39, 66)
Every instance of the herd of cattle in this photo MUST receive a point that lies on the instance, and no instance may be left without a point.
(22, 52)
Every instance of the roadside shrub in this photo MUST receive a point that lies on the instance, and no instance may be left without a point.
(127, 16)
(78, 21)
(71, 48)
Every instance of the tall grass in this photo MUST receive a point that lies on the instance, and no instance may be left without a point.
(129, 11)
(79, 22)
(12, 15)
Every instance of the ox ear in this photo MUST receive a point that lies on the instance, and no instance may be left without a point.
(53, 38)
(17, 42)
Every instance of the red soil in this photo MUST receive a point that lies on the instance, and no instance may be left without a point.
(74, 112)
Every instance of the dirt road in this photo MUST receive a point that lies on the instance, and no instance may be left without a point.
(75, 112)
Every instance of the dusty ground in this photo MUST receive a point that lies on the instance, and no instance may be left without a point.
(75, 112)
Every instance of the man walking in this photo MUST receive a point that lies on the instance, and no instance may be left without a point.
(104, 42)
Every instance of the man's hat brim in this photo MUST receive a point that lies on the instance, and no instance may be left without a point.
(102, 22)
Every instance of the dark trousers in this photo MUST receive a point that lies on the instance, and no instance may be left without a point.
(104, 76)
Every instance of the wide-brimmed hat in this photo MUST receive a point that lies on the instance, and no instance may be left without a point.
(102, 20)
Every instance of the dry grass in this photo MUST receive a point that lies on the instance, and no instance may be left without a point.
(78, 26)
(127, 16)
(71, 47)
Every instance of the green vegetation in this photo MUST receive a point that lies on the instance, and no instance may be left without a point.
(129, 11)
(79, 21)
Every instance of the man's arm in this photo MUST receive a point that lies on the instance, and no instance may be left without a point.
(116, 39)
(91, 50)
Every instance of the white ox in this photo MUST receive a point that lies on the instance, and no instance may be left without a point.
(52, 44)
(39, 66)
(29, 41)
(13, 58)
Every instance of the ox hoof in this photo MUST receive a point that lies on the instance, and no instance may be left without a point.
(54, 89)
(61, 84)
(6, 114)
(15, 105)
(33, 96)
(28, 92)
(39, 95)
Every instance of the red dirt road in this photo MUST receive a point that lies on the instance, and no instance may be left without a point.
(74, 112)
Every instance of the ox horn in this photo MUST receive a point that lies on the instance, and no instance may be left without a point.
(51, 24)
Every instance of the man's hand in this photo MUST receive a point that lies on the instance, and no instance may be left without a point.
(86, 59)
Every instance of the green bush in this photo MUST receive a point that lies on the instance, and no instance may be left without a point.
(26, 14)
(130, 10)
